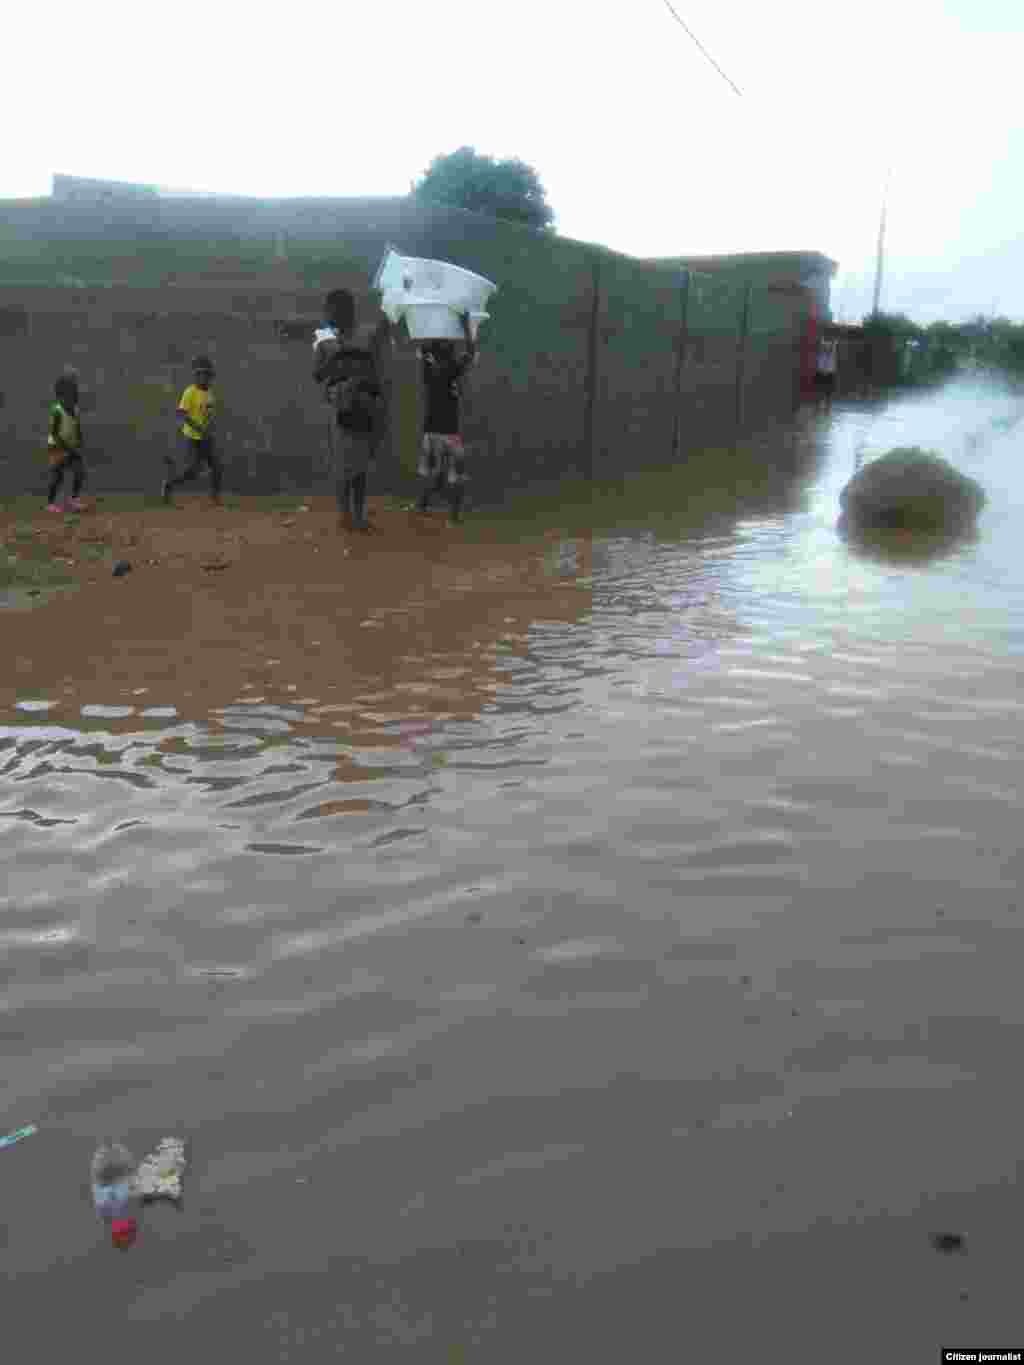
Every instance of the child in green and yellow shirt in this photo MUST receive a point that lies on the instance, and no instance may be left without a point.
(64, 444)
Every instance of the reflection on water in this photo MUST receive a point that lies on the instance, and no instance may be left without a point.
(906, 548)
(519, 967)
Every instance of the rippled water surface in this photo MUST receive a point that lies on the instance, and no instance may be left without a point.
(643, 975)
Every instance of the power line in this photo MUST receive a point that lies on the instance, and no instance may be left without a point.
(881, 243)
(703, 49)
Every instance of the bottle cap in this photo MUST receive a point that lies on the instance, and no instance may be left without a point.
(123, 1232)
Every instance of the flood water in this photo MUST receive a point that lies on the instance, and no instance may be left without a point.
(658, 991)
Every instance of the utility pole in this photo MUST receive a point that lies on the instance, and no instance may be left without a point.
(592, 364)
(741, 356)
(681, 340)
(881, 247)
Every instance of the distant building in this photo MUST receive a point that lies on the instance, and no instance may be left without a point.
(82, 190)
(75, 189)
(807, 272)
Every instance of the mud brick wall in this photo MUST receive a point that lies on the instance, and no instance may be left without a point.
(129, 290)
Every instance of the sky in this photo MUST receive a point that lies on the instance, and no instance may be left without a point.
(638, 141)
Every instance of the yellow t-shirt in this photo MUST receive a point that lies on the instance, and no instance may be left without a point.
(199, 405)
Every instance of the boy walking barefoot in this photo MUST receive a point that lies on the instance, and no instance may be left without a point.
(64, 444)
(442, 462)
(196, 411)
(346, 367)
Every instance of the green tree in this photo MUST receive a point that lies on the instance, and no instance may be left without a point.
(1015, 351)
(504, 189)
(944, 350)
(896, 325)
(945, 334)
(889, 335)
(996, 342)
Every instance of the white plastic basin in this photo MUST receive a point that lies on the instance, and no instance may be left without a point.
(430, 321)
(439, 281)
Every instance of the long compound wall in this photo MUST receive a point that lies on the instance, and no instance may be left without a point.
(129, 290)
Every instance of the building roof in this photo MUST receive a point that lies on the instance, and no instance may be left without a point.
(788, 264)
(759, 260)
(82, 187)
(848, 330)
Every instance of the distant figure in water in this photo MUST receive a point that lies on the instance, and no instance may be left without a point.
(443, 457)
(825, 378)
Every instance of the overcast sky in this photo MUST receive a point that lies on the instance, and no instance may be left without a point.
(639, 142)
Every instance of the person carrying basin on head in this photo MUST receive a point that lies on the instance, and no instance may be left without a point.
(443, 458)
(64, 443)
(196, 410)
(345, 365)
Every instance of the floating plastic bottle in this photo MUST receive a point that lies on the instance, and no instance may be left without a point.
(12, 1138)
(113, 1191)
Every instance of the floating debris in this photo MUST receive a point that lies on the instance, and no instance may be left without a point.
(161, 1174)
(17, 1136)
(948, 1242)
(113, 1192)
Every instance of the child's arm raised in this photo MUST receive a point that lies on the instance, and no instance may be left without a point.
(469, 358)
(322, 357)
(325, 359)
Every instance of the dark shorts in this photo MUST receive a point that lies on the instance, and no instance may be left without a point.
(198, 454)
(353, 452)
(825, 383)
(64, 459)
(68, 462)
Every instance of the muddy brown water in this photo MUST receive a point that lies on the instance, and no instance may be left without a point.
(554, 946)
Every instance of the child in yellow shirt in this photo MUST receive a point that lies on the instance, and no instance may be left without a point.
(197, 409)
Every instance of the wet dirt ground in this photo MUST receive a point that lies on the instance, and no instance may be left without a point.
(212, 588)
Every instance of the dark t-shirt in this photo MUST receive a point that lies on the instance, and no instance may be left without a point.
(352, 383)
(442, 380)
